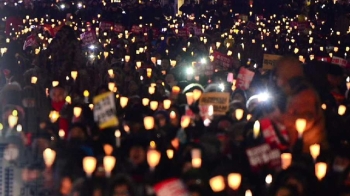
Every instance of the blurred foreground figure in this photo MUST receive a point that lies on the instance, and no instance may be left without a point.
(302, 102)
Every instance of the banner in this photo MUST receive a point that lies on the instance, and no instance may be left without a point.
(324, 59)
(244, 78)
(12, 23)
(219, 101)
(270, 61)
(339, 61)
(263, 155)
(171, 186)
(182, 33)
(119, 28)
(105, 110)
(136, 29)
(251, 25)
(30, 41)
(225, 62)
(104, 26)
(88, 38)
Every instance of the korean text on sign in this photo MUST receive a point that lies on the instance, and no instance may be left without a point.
(105, 110)
(219, 101)
(270, 61)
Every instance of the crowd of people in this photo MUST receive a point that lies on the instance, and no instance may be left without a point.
(135, 99)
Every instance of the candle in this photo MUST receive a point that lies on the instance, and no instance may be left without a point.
(127, 58)
(68, 100)
(217, 183)
(55, 83)
(300, 125)
(74, 75)
(154, 105)
(111, 86)
(256, 129)
(248, 193)
(77, 111)
(153, 59)
(149, 72)
(189, 97)
(176, 89)
(348, 82)
(286, 160)
(86, 96)
(61, 133)
(341, 110)
(145, 101)
(172, 115)
(123, 101)
(185, 121)
(151, 90)
(49, 156)
(197, 94)
(148, 122)
(54, 115)
(34, 80)
(173, 63)
(196, 158)
(108, 164)
(166, 104)
(108, 149)
(89, 165)
(153, 158)
(111, 73)
(234, 180)
(117, 135)
(315, 150)
(320, 170)
(170, 153)
(138, 64)
(268, 179)
(239, 114)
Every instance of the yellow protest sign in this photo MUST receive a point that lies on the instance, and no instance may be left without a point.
(105, 110)
(219, 101)
(270, 61)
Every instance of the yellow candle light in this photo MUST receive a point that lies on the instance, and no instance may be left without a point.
(89, 165)
(217, 183)
(234, 180)
(123, 101)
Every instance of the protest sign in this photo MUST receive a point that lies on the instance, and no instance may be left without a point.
(171, 186)
(105, 110)
(88, 38)
(339, 61)
(104, 26)
(324, 59)
(182, 33)
(244, 78)
(219, 101)
(119, 28)
(243, 17)
(268, 153)
(263, 155)
(224, 62)
(30, 41)
(136, 29)
(270, 61)
(206, 69)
